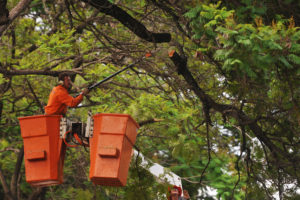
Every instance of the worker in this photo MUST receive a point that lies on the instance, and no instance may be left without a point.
(174, 193)
(59, 98)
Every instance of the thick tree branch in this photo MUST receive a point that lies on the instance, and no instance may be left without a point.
(67, 4)
(227, 110)
(5, 186)
(14, 13)
(37, 193)
(37, 72)
(131, 23)
(4, 13)
(15, 177)
(180, 63)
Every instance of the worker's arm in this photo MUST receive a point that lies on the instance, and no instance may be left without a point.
(68, 100)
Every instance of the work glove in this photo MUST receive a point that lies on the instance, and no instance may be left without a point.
(85, 91)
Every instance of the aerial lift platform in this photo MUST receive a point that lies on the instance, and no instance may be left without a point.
(111, 138)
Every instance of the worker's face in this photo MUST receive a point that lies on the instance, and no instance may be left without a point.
(67, 82)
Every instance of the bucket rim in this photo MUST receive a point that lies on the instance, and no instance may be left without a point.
(39, 116)
(118, 115)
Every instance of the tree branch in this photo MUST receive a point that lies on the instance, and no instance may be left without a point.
(15, 177)
(79, 29)
(208, 153)
(5, 186)
(14, 13)
(4, 13)
(228, 110)
(149, 121)
(175, 17)
(37, 193)
(10, 149)
(35, 97)
(131, 23)
(37, 72)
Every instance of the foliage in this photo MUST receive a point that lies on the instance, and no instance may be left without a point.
(241, 54)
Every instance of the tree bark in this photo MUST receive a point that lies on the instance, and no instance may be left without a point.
(6, 189)
(37, 193)
(4, 13)
(14, 13)
(131, 23)
(15, 177)
(36, 72)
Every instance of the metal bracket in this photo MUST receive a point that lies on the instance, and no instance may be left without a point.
(62, 127)
(89, 127)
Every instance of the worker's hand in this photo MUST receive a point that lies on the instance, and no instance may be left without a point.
(85, 92)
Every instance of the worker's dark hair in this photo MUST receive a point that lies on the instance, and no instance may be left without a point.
(62, 76)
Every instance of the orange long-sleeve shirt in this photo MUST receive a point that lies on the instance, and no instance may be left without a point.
(60, 100)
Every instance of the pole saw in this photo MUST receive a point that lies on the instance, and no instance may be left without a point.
(118, 72)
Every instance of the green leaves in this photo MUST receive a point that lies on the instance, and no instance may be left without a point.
(285, 62)
(245, 42)
(57, 44)
(246, 52)
(294, 58)
(243, 56)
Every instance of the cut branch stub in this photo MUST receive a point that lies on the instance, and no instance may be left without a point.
(148, 54)
(178, 61)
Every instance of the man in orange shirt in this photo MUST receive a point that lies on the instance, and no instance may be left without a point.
(60, 100)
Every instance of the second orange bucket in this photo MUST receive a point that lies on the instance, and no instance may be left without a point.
(110, 148)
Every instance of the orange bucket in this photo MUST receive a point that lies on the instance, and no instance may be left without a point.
(110, 148)
(44, 151)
